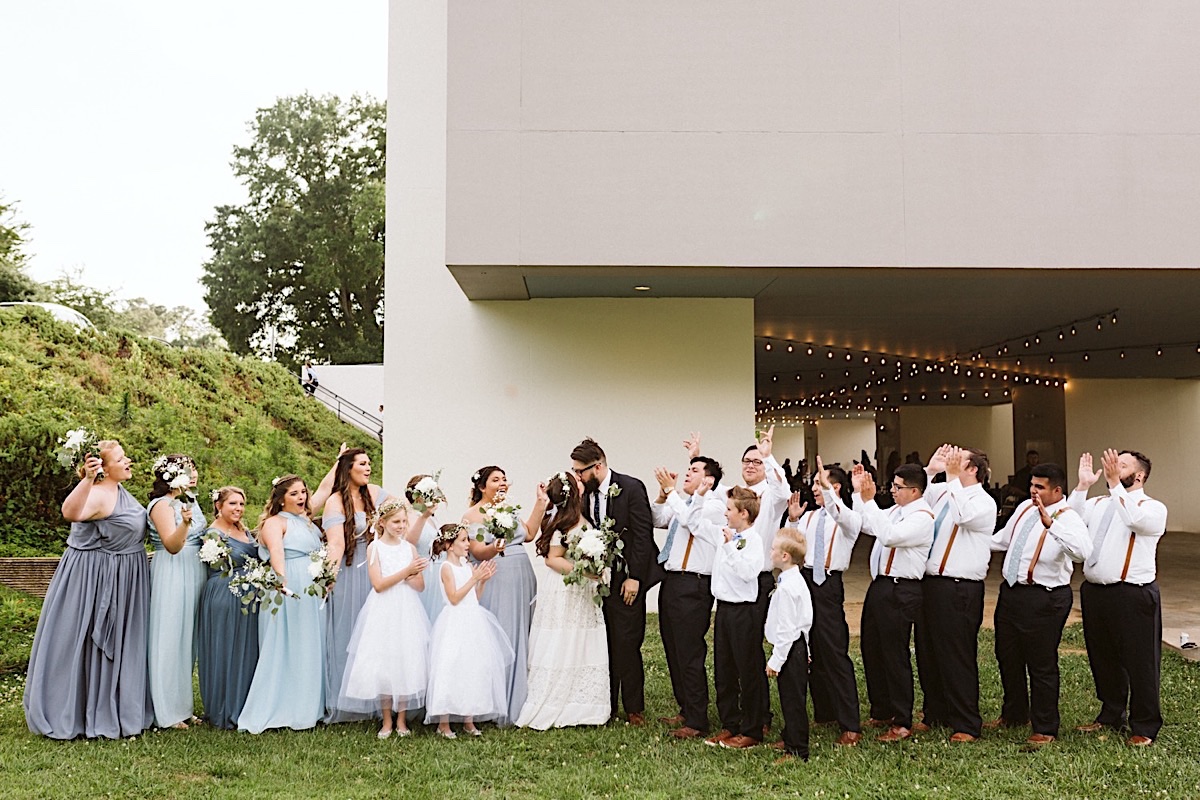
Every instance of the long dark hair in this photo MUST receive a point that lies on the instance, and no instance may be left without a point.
(564, 496)
(275, 502)
(479, 480)
(343, 487)
(161, 488)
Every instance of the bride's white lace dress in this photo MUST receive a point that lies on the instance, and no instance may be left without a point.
(568, 657)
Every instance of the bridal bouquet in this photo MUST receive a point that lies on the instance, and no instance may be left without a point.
(77, 445)
(256, 585)
(500, 523)
(322, 573)
(595, 553)
(215, 553)
(427, 492)
(178, 475)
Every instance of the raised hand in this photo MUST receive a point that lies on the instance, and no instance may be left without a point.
(953, 462)
(868, 485)
(822, 477)
(666, 479)
(91, 467)
(692, 444)
(795, 507)
(1112, 467)
(766, 442)
(542, 497)
(939, 459)
(858, 477)
(1086, 476)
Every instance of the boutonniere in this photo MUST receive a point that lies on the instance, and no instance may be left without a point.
(613, 491)
(741, 542)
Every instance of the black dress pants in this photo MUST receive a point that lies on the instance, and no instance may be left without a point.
(1029, 626)
(948, 652)
(625, 627)
(831, 678)
(889, 612)
(684, 612)
(740, 669)
(792, 682)
(1122, 627)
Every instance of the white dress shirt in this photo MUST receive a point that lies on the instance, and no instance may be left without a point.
(841, 532)
(773, 495)
(700, 556)
(1063, 543)
(789, 616)
(968, 520)
(736, 563)
(1127, 552)
(902, 536)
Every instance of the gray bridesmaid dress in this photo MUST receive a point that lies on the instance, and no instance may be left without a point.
(87, 671)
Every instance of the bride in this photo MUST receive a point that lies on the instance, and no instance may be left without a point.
(568, 652)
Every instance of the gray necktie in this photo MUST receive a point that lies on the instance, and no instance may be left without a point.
(666, 551)
(819, 555)
(1013, 568)
(1098, 542)
(937, 525)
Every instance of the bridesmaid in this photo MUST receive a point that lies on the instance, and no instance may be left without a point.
(288, 689)
(227, 639)
(176, 578)
(87, 670)
(352, 489)
(421, 534)
(509, 595)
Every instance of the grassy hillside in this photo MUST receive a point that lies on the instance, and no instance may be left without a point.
(243, 420)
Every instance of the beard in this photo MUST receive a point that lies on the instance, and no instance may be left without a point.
(1127, 481)
(592, 484)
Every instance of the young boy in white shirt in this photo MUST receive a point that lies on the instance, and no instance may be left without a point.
(789, 620)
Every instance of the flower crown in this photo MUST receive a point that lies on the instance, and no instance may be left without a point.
(275, 481)
(451, 532)
(564, 480)
(388, 508)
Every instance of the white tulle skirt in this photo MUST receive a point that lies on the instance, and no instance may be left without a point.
(469, 663)
(388, 653)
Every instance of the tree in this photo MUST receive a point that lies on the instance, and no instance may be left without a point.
(15, 285)
(297, 270)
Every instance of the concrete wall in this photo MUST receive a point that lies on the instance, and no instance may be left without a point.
(1159, 418)
(798, 132)
(837, 440)
(989, 428)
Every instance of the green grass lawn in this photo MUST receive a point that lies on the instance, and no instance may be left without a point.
(616, 761)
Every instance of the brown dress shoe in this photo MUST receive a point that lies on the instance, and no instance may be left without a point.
(675, 720)
(778, 745)
(879, 723)
(848, 739)
(1039, 738)
(961, 737)
(896, 733)
(686, 733)
(739, 742)
(1091, 727)
(1139, 741)
(921, 727)
(636, 719)
(718, 737)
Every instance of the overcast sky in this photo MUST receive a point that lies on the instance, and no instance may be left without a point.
(118, 120)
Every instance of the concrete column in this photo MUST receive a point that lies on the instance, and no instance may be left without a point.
(1040, 423)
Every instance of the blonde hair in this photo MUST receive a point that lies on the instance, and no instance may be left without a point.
(221, 495)
(792, 542)
(745, 500)
(103, 446)
(389, 509)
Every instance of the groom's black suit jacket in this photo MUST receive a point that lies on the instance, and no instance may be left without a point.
(630, 512)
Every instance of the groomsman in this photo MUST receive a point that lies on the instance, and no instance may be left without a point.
(952, 604)
(830, 536)
(1122, 610)
(902, 534)
(623, 498)
(1042, 539)
(685, 599)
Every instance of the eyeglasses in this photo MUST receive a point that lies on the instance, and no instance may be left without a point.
(579, 472)
(899, 486)
(752, 462)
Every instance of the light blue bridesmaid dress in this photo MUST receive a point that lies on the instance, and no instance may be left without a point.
(176, 582)
(433, 598)
(288, 690)
(350, 593)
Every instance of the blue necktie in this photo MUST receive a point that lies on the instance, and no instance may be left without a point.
(1105, 521)
(666, 551)
(1013, 568)
(937, 526)
(819, 555)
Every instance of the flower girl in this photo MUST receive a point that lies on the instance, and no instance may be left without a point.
(469, 655)
(389, 648)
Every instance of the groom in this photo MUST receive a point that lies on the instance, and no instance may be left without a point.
(624, 499)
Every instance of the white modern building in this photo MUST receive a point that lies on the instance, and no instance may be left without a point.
(633, 219)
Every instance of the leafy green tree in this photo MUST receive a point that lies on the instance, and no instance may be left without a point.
(297, 270)
(15, 285)
(98, 305)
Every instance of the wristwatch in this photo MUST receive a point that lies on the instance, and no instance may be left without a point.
(667, 491)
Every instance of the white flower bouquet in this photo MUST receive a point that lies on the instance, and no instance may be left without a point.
(322, 572)
(77, 445)
(256, 584)
(215, 553)
(427, 492)
(595, 553)
(177, 473)
(500, 523)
